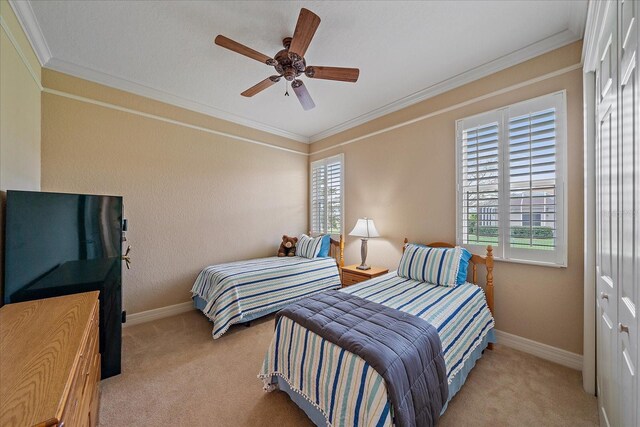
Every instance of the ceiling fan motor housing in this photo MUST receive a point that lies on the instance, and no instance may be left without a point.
(287, 65)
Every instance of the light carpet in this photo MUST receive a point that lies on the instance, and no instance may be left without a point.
(175, 373)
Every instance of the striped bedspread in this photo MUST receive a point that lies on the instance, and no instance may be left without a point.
(342, 385)
(236, 290)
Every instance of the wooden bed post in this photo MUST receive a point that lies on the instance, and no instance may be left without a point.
(341, 261)
(489, 286)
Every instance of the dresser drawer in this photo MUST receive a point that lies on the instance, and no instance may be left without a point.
(85, 382)
(352, 275)
(349, 279)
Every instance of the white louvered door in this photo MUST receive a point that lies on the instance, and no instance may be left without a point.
(606, 224)
(606, 183)
(618, 216)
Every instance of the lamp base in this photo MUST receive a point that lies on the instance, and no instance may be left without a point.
(363, 255)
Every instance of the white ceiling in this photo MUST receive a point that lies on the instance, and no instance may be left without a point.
(165, 50)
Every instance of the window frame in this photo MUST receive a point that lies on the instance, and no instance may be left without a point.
(503, 250)
(338, 158)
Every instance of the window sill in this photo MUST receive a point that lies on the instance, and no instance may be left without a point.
(528, 262)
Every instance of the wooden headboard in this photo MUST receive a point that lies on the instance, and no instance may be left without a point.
(336, 251)
(475, 260)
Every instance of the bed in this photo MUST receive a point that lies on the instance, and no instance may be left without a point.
(241, 291)
(334, 386)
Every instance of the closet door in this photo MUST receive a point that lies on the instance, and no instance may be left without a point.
(606, 218)
(628, 172)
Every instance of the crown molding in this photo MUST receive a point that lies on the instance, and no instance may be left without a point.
(166, 97)
(16, 46)
(536, 49)
(29, 23)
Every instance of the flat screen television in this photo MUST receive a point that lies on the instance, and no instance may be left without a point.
(58, 240)
(59, 244)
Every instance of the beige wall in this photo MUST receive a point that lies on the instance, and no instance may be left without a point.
(192, 198)
(19, 114)
(405, 180)
(19, 107)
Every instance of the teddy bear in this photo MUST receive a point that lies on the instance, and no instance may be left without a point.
(288, 246)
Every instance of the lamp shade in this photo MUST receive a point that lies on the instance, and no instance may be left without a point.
(364, 228)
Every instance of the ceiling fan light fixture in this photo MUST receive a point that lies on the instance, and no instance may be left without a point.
(290, 73)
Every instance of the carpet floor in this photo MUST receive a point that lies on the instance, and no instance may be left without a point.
(175, 373)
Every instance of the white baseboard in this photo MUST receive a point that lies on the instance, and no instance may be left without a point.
(543, 351)
(158, 313)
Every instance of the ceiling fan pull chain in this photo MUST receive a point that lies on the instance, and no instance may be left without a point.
(286, 85)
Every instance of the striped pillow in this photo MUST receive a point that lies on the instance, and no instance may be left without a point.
(438, 266)
(308, 247)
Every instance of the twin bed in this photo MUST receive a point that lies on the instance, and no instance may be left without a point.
(332, 385)
(242, 291)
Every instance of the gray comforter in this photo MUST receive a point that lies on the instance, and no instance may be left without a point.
(404, 349)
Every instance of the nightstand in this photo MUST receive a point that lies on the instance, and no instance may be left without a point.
(351, 275)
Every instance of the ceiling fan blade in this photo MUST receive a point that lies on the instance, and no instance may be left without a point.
(243, 50)
(269, 81)
(303, 95)
(305, 29)
(333, 73)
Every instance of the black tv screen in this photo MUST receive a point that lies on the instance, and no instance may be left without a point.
(59, 243)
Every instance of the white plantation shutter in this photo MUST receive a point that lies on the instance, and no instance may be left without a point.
(480, 179)
(511, 180)
(318, 198)
(326, 195)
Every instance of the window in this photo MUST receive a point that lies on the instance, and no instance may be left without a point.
(511, 181)
(326, 195)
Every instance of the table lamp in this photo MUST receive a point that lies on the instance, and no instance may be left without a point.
(365, 229)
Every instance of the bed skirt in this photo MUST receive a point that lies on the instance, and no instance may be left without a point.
(200, 303)
(318, 418)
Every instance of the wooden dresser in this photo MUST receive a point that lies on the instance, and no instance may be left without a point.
(50, 362)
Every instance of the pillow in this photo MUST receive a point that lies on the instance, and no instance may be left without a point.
(464, 266)
(438, 266)
(308, 247)
(324, 247)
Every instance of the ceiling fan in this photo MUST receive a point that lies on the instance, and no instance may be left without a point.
(290, 62)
